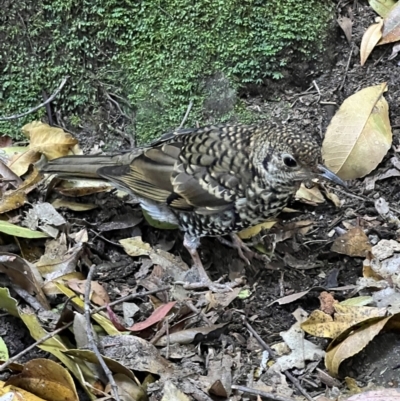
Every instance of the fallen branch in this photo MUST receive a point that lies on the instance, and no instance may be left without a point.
(50, 99)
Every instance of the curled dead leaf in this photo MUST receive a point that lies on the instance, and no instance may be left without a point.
(370, 39)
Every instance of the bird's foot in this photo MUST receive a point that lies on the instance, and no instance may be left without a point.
(204, 281)
(244, 251)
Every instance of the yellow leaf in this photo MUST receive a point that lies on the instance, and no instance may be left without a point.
(320, 324)
(309, 195)
(104, 322)
(253, 231)
(382, 7)
(369, 40)
(46, 379)
(135, 246)
(359, 135)
(352, 344)
(53, 142)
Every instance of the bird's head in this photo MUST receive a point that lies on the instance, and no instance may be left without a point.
(293, 157)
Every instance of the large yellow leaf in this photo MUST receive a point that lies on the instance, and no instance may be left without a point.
(359, 134)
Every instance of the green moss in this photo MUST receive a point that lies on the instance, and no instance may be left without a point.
(157, 54)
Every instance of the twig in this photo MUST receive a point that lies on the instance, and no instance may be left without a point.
(319, 92)
(186, 114)
(273, 356)
(91, 341)
(254, 391)
(129, 297)
(38, 342)
(50, 99)
(347, 67)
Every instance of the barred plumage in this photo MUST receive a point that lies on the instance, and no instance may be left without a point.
(214, 180)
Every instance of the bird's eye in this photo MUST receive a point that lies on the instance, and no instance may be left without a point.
(289, 161)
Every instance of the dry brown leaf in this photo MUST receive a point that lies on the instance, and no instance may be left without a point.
(353, 343)
(369, 40)
(353, 243)
(311, 196)
(20, 163)
(12, 200)
(46, 379)
(98, 295)
(53, 142)
(128, 390)
(391, 26)
(23, 274)
(347, 26)
(359, 135)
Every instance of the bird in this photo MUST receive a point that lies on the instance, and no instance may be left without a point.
(214, 180)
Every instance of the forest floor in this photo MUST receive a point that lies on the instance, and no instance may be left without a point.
(301, 262)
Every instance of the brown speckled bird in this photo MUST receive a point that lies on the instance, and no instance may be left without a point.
(211, 181)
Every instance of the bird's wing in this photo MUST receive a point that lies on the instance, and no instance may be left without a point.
(212, 169)
(149, 176)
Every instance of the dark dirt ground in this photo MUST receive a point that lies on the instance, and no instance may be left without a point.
(304, 111)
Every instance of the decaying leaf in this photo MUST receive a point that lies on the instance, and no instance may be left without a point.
(353, 243)
(302, 350)
(347, 26)
(391, 26)
(370, 39)
(98, 296)
(320, 324)
(128, 390)
(359, 135)
(23, 274)
(352, 341)
(136, 354)
(311, 196)
(53, 142)
(46, 379)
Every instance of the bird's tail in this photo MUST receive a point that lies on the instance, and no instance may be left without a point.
(82, 166)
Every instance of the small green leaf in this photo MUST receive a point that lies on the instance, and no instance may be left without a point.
(17, 231)
(158, 224)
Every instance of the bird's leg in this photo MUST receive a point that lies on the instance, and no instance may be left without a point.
(244, 251)
(191, 244)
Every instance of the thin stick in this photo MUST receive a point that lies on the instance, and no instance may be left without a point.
(347, 67)
(129, 297)
(90, 336)
(269, 396)
(38, 342)
(50, 99)
(186, 114)
(273, 356)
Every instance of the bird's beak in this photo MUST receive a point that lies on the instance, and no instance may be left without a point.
(326, 173)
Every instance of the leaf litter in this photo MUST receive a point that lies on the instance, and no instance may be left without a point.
(201, 314)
